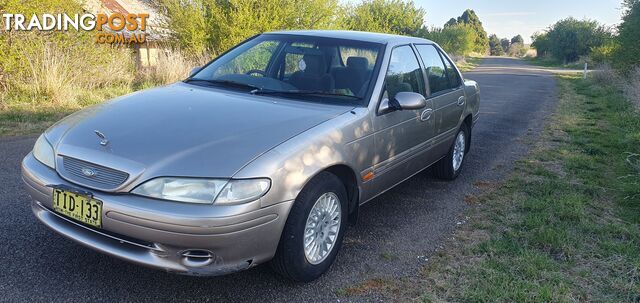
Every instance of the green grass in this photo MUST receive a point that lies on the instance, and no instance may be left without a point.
(547, 62)
(564, 227)
(469, 63)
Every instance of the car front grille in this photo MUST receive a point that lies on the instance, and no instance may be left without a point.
(98, 177)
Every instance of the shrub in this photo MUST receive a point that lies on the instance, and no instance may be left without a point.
(172, 66)
(54, 67)
(569, 39)
(631, 86)
(603, 53)
(385, 16)
(518, 49)
(604, 73)
(625, 57)
(455, 40)
(214, 26)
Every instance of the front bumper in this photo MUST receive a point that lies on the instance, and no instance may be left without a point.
(176, 237)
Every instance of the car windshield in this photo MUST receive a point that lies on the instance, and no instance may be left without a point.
(300, 67)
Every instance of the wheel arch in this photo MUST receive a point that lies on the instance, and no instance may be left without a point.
(468, 120)
(348, 177)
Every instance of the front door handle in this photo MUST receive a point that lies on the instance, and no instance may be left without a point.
(461, 101)
(426, 114)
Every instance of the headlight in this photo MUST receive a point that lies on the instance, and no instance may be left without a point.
(43, 151)
(238, 191)
(204, 191)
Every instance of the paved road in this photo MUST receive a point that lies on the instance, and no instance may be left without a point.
(396, 234)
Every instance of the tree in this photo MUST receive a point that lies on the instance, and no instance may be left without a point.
(541, 43)
(470, 18)
(627, 53)
(385, 16)
(495, 47)
(217, 25)
(456, 40)
(569, 39)
(517, 39)
(451, 22)
(517, 50)
(504, 42)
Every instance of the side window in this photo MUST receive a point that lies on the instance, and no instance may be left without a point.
(452, 74)
(404, 73)
(434, 68)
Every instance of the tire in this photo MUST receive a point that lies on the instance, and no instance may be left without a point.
(446, 168)
(291, 259)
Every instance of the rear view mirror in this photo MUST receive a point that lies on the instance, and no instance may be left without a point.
(402, 101)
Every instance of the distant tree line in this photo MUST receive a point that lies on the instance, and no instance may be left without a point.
(200, 26)
(513, 47)
(570, 40)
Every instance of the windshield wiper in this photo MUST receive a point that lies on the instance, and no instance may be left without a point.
(224, 82)
(262, 91)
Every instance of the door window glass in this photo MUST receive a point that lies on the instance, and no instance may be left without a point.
(452, 74)
(404, 73)
(434, 68)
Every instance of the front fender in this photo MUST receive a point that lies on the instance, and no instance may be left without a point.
(345, 140)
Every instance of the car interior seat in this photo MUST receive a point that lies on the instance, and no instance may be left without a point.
(314, 76)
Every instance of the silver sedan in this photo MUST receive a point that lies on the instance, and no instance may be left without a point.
(264, 154)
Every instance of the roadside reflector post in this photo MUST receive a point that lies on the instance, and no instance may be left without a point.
(584, 75)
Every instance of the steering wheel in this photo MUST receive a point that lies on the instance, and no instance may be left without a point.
(256, 71)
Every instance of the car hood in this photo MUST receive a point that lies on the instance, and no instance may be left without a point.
(185, 130)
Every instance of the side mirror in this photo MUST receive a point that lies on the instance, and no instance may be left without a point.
(402, 101)
(195, 70)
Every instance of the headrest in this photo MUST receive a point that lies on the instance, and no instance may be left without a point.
(358, 62)
(315, 64)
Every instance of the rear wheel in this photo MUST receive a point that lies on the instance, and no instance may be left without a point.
(449, 167)
(314, 230)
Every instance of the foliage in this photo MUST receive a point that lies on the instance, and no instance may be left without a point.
(43, 67)
(517, 39)
(190, 24)
(517, 50)
(469, 17)
(569, 39)
(217, 25)
(457, 39)
(495, 46)
(626, 56)
(505, 43)
(604, 53)
(385, 16)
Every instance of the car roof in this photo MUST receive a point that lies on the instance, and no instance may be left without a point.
(355, 35)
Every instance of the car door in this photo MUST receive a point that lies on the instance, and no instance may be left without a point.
(446, 93)
(401, 136)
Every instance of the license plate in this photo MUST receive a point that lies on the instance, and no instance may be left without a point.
(78, 207)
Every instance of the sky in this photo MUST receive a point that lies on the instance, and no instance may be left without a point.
(507, 18)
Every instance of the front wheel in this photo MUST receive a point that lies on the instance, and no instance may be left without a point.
(314, 230)
(449, 167)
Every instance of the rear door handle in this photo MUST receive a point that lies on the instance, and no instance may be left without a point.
(461, 101)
